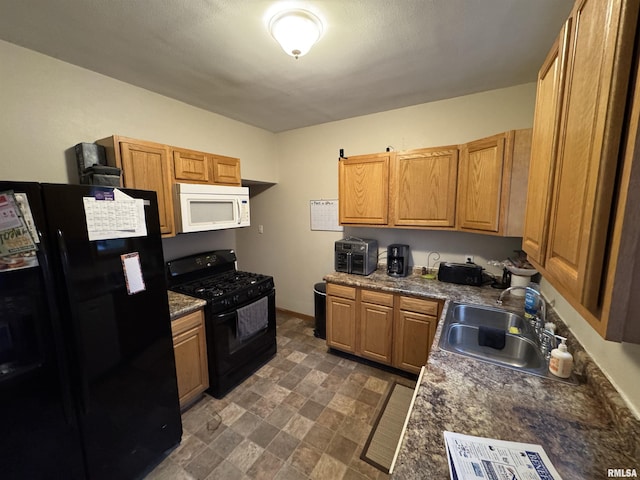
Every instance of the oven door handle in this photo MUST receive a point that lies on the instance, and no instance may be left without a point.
(224, 317)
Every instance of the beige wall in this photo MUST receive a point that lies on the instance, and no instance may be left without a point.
(48, 106)
(298, 257)
(620, 362)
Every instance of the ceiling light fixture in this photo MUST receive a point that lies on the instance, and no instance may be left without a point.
(295, 30)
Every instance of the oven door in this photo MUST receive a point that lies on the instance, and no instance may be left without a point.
(232, 359)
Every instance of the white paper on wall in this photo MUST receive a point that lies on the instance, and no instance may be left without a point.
(324, 215)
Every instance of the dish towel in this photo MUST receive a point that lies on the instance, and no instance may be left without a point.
(252, 318)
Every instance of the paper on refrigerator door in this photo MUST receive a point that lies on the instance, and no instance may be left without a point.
(132, 273)
(114, 214)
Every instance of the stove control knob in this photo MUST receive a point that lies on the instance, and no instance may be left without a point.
(236, 298)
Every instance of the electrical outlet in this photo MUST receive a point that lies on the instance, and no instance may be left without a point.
(260, 229)
(468, 258)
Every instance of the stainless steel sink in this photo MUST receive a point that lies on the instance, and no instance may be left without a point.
(518, 352)
(487, 316)
(461, 335)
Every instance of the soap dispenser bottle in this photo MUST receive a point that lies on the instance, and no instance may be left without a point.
(561, 362)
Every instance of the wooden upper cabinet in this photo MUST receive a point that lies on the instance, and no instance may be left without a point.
(198, 167)
(154, 166)
(543, 148)
(491, 179)
(480, 184)
(467, 188)
(190, 166)
(600, 52)
(423, 187)
(145, 166)
(225, 170)
(363, 189)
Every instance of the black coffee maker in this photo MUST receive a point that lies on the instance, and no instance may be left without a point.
(398, 260)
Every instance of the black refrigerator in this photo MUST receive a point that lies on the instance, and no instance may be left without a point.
(87, 372)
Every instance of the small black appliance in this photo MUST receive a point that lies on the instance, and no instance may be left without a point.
(462, 274)
(398, 260)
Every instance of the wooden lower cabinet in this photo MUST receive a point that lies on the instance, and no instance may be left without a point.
(387, 328)
(415, 326)
(341, 317)
(190, 349)
(376, 326)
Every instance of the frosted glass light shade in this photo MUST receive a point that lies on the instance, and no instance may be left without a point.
(296, 31)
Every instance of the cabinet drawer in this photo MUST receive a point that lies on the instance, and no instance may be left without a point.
(376, 297)
(419, 305)
(341, 291)
(187, 322)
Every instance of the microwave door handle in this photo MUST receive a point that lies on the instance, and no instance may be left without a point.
(238, 210)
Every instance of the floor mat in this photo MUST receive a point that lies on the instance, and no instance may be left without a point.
(385, 435)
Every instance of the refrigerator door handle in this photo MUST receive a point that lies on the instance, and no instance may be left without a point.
(75, 321)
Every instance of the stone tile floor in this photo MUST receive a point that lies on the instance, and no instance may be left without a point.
(306, 414)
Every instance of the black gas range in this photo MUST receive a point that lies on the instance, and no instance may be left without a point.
(239, 315)
(224, 291)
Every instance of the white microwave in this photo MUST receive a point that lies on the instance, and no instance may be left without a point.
(200, 208)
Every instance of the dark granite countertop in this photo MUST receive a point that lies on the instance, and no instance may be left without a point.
(180, 304)
(585, 429)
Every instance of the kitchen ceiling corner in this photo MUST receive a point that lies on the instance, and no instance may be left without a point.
(218, 55)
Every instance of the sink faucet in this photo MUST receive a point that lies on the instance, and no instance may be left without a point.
(546, 339)
(540, 320)
(548, 342)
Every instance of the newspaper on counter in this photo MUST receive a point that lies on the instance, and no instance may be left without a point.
(473, 458)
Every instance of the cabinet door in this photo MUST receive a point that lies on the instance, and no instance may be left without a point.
(543, 149)
(376, 326)
(363, 189)
(600, 52)
(190, 166)
(189, 345)
(146, 167)
(341, 323)
(480, 184)
(423, 187)
(226, 170)
(414, 334)
(415, 326)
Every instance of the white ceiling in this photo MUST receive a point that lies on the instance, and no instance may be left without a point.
(374, 55)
